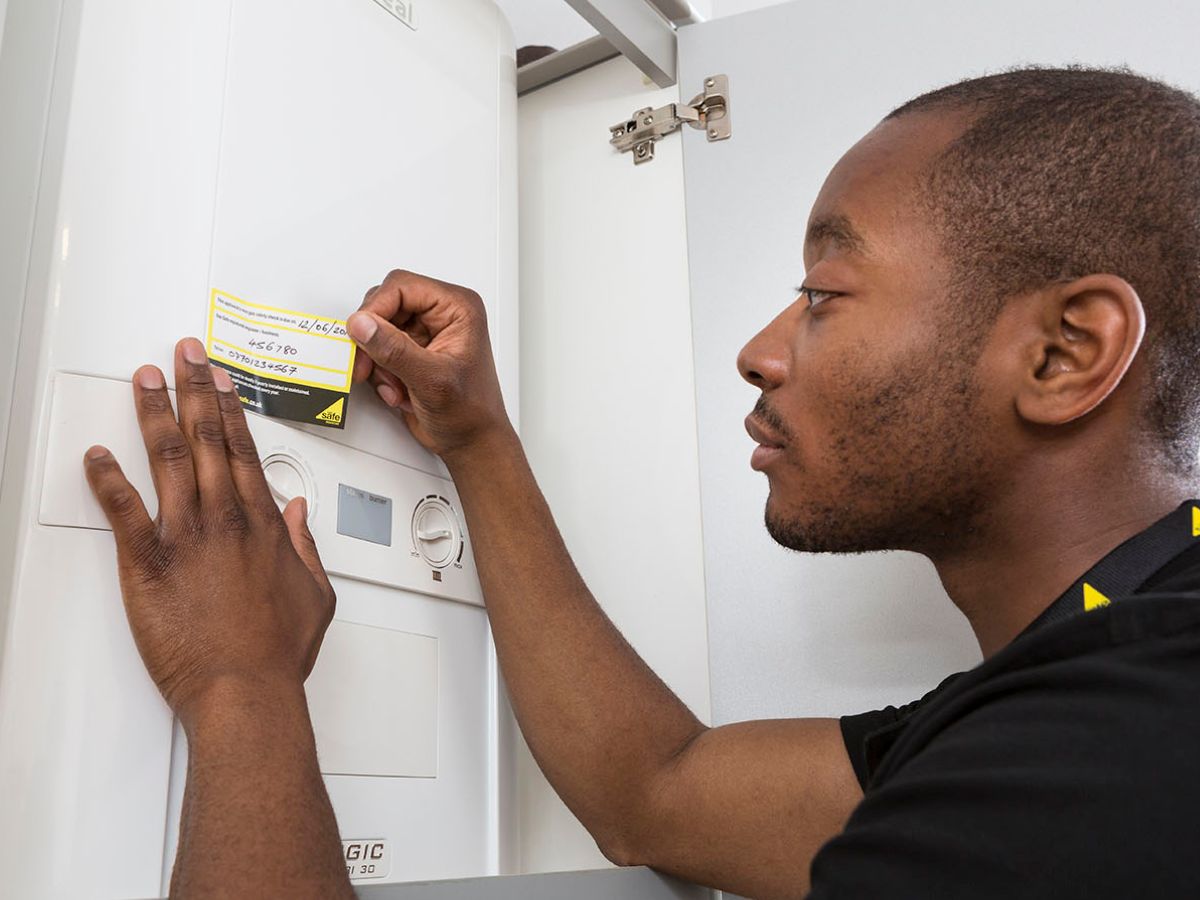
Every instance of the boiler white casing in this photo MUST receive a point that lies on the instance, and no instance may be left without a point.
(289, 152)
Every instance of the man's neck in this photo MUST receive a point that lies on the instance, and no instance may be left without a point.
(1036, 545)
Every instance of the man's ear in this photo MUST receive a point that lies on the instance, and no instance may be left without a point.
(1082, 337)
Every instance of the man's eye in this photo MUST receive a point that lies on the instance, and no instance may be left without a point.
(815, 297)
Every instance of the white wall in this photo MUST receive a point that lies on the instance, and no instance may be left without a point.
(607, 396)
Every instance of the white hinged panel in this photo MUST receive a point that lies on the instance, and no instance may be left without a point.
(373, 698)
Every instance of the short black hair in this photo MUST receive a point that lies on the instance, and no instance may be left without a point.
(1064, 172)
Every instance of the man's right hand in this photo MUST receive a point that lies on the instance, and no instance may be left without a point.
(424, 345)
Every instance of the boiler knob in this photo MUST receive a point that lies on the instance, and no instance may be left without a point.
(435, 532)
(286, 479)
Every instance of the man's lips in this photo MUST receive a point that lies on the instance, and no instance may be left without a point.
(769, 446)
(761, 434)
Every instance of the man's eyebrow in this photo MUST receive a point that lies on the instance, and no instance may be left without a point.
(839, 230)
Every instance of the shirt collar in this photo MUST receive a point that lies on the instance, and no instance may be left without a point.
(1126, 569)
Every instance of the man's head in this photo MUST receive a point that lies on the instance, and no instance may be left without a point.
(994, 251)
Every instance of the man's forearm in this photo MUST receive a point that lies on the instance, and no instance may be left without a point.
(599, 722)
(257, 821)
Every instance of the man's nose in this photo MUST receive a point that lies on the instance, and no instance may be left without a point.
(766, 360)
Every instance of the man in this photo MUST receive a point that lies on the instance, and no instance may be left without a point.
(991, 361)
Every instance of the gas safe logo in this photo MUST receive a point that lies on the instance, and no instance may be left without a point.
(401, 9)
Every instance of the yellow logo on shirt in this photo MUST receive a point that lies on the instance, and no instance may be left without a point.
(1092, 598)
(1196, 521)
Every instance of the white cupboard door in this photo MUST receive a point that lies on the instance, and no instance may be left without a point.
(800, 634)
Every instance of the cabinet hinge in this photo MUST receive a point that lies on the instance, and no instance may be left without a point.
(708, 111)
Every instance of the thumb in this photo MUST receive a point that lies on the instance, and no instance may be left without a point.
(295, 517)
(390, 347)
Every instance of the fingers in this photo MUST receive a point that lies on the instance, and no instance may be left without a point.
(168, 451)
(363, 366)
(121, 502)
(412, 303)
(407, 293)
(295, 517)
(391, 348)
(244, 464)
(391, 390)
(200, 420)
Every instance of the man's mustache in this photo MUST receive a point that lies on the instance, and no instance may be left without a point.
(769, 417)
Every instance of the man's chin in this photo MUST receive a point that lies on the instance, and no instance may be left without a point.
(795, 531)
(795, 536)
(820, 530)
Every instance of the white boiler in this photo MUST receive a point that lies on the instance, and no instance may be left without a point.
(288, 153)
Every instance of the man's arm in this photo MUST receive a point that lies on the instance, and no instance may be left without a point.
(742, 807)
(228, 603)
(257, 819)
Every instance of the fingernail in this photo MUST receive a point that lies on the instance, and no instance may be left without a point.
(96, 452)
(222, 380)
(361, 327)
(150, 378)
(193, 352)
(387, 394)
(304, 507)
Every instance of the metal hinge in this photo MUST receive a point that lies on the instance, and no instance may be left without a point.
(709, 111)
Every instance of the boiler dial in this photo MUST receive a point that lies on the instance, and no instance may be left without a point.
(435, 532)
(287, 480)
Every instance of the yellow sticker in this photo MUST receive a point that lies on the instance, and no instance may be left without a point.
(284, 363)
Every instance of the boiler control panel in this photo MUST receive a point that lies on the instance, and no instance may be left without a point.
(373, 519)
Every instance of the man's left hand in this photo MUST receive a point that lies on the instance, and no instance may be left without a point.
(220, 589)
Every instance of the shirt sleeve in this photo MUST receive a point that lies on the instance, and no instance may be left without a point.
(857, 728)
(868, 735)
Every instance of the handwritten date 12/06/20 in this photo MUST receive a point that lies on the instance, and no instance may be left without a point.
(323, 326)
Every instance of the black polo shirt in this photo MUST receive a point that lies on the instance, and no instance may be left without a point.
(1066, 765)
